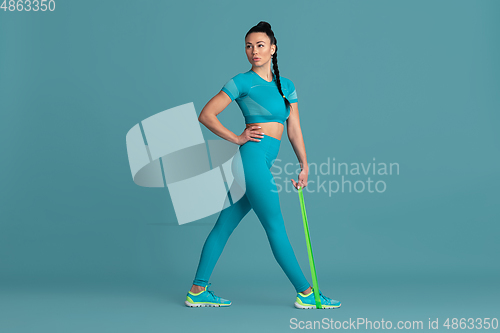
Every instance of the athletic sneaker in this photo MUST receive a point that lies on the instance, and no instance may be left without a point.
(308, 301)
(205, 298)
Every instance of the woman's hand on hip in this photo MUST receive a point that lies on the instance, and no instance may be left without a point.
(250, 133)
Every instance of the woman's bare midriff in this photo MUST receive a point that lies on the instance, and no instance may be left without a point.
(273, 129)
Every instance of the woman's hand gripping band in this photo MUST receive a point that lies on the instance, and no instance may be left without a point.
(302, 179)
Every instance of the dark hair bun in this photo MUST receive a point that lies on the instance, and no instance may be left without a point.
(264, 24)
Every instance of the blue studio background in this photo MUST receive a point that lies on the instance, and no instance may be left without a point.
(415, 83)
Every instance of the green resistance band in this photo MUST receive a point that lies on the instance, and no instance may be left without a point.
(309, 250)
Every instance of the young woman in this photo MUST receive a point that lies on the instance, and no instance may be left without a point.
(267, 100)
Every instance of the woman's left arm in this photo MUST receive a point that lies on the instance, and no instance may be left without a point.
(295, 136)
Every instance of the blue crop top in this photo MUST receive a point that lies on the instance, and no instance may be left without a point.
(260, 100)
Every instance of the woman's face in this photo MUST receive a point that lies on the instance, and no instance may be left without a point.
(258, 48)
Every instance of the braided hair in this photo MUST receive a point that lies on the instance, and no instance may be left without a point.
(265, 27)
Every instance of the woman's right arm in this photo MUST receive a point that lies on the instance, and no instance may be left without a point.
(208, 117)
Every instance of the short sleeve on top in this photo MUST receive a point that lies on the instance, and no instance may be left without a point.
(235, 87)
(292, 93)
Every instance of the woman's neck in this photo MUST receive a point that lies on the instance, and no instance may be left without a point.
(264, 72)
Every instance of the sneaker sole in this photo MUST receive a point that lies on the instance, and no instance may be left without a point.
(201, 305)
(299, 306)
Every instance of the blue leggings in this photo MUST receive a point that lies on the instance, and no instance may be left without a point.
(261, 194)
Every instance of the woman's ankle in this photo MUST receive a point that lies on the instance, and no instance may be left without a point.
(307, 291)
(196, 288)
